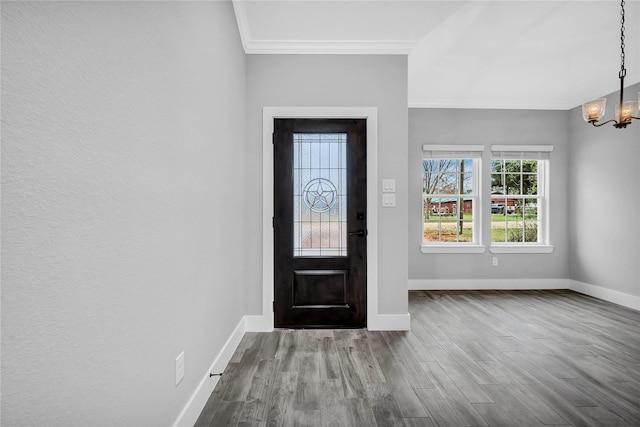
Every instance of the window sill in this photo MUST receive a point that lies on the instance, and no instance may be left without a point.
(451, 249)
(521, 249)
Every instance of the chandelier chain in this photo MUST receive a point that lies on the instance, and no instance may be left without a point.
(623, 71)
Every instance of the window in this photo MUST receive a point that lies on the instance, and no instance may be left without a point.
(319, 194)
(519, 204)
(450, 194)
(513, 212)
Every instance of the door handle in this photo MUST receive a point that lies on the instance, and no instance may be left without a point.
(361, 233)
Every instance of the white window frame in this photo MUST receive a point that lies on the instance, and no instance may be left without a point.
(474, 152)
(542, 154)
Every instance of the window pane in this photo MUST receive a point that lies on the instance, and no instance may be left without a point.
(514, 231)
(518, 207)
(467, 229)
(427, 180)
(448, 183)
(498, 205)
(513, 183)
(498, 231)
(427, 166)
(497, 183)
(319, 192)
(448, 166)
(530, 184)
(467, 187)
(530, 166)
(530, 231)
(503, 214)
(530, 209)
(431, 232)
(512, 166)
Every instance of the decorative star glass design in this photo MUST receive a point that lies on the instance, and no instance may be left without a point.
(320, 194)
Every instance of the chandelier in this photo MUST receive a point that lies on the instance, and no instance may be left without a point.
(592, 111)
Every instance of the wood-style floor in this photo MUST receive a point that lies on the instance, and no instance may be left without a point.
(472, 358)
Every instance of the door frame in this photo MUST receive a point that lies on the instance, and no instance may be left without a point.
(265, 321)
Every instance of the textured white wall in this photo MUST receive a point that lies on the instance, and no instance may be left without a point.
(605, 182)
(488, 127)
(122, 177)
(338, 81)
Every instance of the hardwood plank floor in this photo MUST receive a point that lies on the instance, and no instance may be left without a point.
(472, 358)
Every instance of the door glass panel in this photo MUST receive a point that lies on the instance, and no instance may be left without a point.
(319, 194)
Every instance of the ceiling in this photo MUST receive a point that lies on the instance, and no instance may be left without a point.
(464, 54)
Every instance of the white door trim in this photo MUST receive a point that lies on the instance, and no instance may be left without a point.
(264, 322)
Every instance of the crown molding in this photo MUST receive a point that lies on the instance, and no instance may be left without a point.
(322, 47)
(243, 22)
(488, 105)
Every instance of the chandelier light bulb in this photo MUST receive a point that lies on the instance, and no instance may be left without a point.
(625, 113)
(593, 110)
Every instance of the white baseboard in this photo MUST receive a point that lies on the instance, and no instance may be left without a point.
(485, 284)
(198, 399)
(615, 297)
(389, 322)
(259, 323)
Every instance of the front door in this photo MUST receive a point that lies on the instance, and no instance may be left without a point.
(320, 223)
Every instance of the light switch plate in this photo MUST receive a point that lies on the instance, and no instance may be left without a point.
(388, 200)
(388, 185)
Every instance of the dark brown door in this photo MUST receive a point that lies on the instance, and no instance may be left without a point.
(320, 223)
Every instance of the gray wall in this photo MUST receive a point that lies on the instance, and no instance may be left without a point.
(487, 127)
(337, 81)
(122, 149)
(605, 192)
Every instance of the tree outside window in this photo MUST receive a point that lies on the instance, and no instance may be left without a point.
(448, 196)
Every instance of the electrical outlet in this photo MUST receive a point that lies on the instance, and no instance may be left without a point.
(494, 261)
(179, 368)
